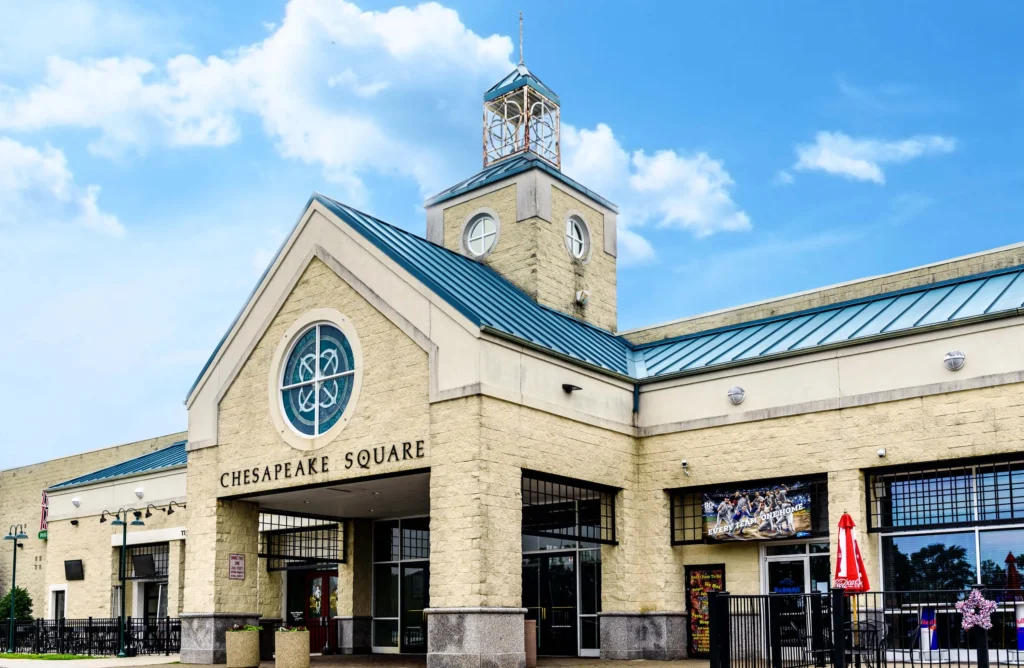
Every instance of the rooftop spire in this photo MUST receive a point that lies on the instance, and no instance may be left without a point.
(521, 38)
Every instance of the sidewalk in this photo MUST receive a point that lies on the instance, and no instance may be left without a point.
(102, 662)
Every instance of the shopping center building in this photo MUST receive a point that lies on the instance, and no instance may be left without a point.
(418, 442)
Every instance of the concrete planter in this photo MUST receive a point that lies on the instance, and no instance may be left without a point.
(291, 649)
(243, 648)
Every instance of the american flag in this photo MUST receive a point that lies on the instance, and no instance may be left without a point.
(45, 511)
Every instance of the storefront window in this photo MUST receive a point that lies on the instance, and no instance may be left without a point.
(911, 506)
(929, 561)
(1001, 556)
(401, 584)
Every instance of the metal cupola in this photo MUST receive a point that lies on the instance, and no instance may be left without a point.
(521, 114)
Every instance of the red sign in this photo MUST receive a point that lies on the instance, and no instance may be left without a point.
(236, 567)
(700, 582)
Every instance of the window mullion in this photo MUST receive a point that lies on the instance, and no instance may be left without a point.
(316, 386)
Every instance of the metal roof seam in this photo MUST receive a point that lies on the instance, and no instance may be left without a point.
(1003, 292)
(981, 284)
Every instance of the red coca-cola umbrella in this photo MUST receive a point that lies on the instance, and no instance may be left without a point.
(850, 573)
(1012, 574)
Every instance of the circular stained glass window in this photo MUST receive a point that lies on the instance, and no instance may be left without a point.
(317, 381)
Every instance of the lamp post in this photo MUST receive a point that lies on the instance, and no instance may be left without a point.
(15, 533)
(120, 520)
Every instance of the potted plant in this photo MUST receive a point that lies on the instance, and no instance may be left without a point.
(243, 646)
(291, 647)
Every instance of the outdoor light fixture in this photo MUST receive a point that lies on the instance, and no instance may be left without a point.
(881, 452)
(121, 520)
(582, 297)
(74, 523)
(76, 502)
(150, 514)
(15, 533)
(736, 395)
(569, 389)
(170, 507)
(139, 492)
(954, 360)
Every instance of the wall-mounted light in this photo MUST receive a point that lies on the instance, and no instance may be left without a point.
(74, 523)
(582, 297)
(569, 388)
(139, 492)
(736, 395)
(881, 452)
(954, 360)
(76, 502)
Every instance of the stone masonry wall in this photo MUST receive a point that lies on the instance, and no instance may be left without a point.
(560, 275)
(90, 541)
(532, 254)
(905, 279)
(839, 443)
(20, 494)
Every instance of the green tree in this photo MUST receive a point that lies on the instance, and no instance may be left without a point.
(939, 566)
(22, 604)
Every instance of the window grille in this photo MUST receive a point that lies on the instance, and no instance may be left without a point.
(687, 514)
(949, 495)
(301, 542)
(559, 507)
(161, 557)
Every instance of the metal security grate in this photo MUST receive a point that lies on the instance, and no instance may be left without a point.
(687, 513)
(161, 556)
(301, 542)
(558, 507)
(950, 495)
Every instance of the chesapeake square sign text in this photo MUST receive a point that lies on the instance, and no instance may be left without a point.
(362, 459)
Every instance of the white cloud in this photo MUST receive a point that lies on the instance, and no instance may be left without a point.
(36, 185)
(666, 189)
(132, 104)
(783, 178)
(861, 159)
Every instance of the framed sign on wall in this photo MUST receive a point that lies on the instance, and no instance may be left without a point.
(701, 580)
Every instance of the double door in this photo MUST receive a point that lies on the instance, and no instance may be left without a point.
(550, 598)
(321, 607)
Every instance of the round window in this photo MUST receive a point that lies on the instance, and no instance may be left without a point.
(481, 233)
(576, 238)
(317, 379)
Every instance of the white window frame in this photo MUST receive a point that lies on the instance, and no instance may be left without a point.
(468, 226)
(575, 220)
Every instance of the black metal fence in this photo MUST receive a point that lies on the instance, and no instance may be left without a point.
(900, 628)
(92, 636)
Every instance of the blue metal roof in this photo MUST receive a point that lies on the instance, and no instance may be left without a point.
(493, 303)
(517, 78)
(169, 457)
(510, 167)
(903, 312)
(486, 298)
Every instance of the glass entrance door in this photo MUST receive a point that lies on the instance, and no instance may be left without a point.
(550, 597)
(415, 597)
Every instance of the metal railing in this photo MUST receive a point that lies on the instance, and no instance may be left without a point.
(872, 629)
(94, 636)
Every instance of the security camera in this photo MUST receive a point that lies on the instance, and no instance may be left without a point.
(684, 463)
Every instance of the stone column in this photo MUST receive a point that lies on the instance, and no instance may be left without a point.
(175, 580)
(354, 589)
(216, 529)
(475, 617)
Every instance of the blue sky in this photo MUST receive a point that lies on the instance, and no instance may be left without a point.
(151, 160)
